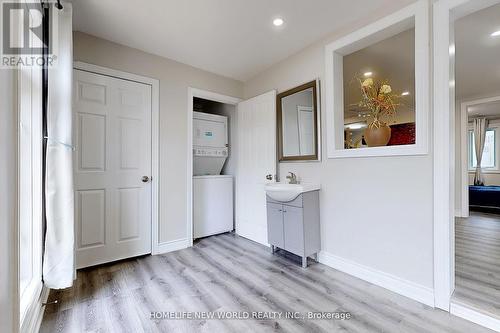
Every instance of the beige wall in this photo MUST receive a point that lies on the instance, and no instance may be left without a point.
(375, 212)
(393, 232)
(490, 178)
(175, 78)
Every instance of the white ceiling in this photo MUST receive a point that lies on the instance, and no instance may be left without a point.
(478, 54)
(233, 38)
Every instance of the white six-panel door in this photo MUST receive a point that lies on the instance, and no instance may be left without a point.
(112, 155)
(256, 159)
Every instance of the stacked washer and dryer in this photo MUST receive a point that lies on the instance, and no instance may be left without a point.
(212, 192)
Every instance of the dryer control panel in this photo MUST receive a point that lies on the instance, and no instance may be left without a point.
(210, 152)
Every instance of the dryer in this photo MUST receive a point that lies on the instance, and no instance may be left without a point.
(210, 143)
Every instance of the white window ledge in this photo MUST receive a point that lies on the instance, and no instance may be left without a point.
(403, 150)
(471, 172)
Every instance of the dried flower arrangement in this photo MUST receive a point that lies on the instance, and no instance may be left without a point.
(379, 99)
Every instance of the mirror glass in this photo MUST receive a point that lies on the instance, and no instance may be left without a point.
(379, 93)
(297, 123)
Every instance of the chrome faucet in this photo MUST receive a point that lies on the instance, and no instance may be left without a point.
(292, 178)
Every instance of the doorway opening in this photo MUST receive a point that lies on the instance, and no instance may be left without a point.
(212, 142)
(466, 246)
(116, 165)
(214, 167)
(252, 135)
(477, 153)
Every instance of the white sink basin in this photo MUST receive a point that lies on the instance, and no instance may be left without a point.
(284, 192)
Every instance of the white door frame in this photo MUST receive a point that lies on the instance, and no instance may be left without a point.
(211, 96)
(155, 137)
(445, 12)
(463, 210)
(300, 109)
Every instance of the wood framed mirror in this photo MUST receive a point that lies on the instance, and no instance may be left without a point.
(298, 123)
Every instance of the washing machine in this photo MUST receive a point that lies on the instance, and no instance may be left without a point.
(213, 205)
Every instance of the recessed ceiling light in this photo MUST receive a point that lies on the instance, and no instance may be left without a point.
(356, 126)
(405, 93)
(495, 34)
(452, 49)
(368, 74)
(278, 22)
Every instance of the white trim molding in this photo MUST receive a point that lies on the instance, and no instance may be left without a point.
(443, 226)
(34, 315)
(155, 138)
(211, 96)
(30, 189)
(390, 282)
(474, 316)
(415, 15)
(172, 246)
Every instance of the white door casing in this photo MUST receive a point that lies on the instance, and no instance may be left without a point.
(256, 159)
(305, 120)
(113, 152)
(30, 188)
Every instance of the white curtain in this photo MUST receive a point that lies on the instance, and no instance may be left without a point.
(480, 126)
(58, 263)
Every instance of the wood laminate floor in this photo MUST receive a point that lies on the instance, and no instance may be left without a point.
(230, 273)
(477, 264)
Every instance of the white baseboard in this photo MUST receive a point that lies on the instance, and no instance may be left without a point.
(393, 283)
(460, 213)
(34, 316)
(171, 246)
(475, 316)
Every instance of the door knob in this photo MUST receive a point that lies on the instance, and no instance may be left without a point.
(145, 179)
(269, 177)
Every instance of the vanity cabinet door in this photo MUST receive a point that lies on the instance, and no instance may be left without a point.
(275, 225)
(293, 227)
